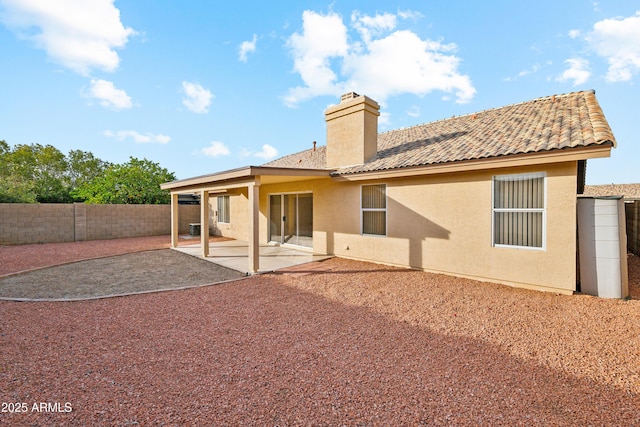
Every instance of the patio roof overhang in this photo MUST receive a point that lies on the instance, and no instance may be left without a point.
(250, 177)
(242, 177)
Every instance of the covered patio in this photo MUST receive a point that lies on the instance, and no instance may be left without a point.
(234, 254)
(255, 256)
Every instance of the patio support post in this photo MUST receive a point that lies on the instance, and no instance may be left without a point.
(204, 222)
(174, 220)
(254, 226)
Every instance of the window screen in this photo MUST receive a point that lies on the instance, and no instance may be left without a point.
(519, 210)
(374, 209)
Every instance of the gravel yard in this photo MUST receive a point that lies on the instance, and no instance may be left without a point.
(355, 344)
(16, 258)
(116, 275)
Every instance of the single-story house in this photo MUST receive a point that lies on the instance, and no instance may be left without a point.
(490, 196)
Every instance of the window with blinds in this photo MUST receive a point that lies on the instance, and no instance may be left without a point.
(374, 209)
(224, 211)
(519, 210)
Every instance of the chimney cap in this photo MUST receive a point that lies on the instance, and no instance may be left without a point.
(348, 96)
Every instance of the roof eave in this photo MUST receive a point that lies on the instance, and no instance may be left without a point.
(243, 175)
(513, 160)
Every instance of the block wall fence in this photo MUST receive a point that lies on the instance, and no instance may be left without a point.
(632, 212)
(24, 223)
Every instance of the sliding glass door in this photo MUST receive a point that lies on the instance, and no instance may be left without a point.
(291, 219)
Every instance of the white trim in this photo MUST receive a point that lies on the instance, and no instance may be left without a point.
(385, 210)
(543, 210)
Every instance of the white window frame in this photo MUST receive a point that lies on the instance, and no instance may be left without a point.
(542, 210)
(224, 202)
(362, 210)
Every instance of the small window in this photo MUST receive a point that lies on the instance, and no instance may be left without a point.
(519, 210)
(374, 209)
(224, 213)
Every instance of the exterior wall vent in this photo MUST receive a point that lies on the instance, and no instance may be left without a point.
(348, 96)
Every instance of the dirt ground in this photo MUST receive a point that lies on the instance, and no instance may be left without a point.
(117, 275)
(17, 258)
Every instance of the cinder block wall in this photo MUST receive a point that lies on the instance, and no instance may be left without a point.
(51, 223)
(23, 223)
(127, 221)
(187, 214)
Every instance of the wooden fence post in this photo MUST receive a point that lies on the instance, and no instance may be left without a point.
(632, 211)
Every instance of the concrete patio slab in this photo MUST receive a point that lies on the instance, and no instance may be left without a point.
(234, 254)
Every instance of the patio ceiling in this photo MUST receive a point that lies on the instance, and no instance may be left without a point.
(250, 177)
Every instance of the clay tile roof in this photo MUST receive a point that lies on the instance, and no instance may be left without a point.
(308, 159)
(628, 191)
(556, 122)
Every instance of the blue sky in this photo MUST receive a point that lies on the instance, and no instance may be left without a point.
(205, 86)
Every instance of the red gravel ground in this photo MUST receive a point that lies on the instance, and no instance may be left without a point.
(17, 258)
(359, 344)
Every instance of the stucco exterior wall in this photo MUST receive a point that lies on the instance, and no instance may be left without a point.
(238, 227)
(321, 190)
(442, 223)
(352, 132)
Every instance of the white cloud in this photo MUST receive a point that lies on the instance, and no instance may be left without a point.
(108, 95)
(409, 14)
(197, 98)
(404, 63)
(534, 69)
(574, 34)
(383, 62)
(78, 34)
(414, 111)
(137, 137)
(618, 41)
(268, 152)
(384, 119)
(369, 26)
(323, 37)
(247, 47)
(215, 149)
(578, 71)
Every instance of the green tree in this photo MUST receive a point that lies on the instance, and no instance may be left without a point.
(41, 169)
(4, 149)
(13, 189)
(134, 182)
(83, 167)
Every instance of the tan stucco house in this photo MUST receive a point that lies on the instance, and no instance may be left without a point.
(490, 196)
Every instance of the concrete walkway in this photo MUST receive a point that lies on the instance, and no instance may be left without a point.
(234, 254)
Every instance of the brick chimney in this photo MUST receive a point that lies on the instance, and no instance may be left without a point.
(352, 130)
